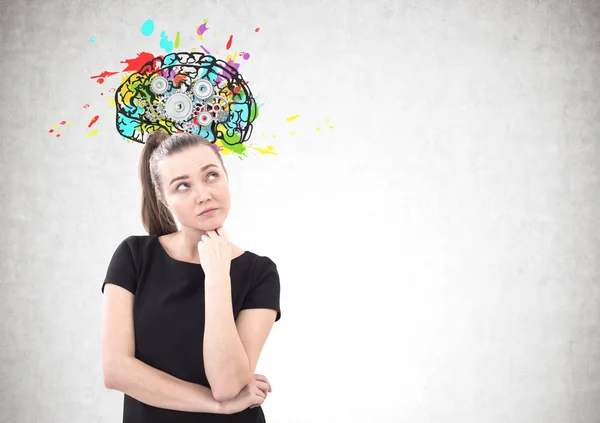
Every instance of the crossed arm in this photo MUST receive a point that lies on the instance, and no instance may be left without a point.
(231, 347)
(125, 373)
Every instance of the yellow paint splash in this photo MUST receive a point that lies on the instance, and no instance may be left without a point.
(291, 118)
(94, 132)
(269, 150)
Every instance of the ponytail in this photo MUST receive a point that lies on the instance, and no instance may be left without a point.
(156, 217)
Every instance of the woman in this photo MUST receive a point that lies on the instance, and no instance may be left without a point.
(186, 313)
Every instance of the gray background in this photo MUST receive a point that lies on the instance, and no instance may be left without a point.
(438, 248)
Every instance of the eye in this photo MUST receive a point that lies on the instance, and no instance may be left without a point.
(177, 189)
(185, 183)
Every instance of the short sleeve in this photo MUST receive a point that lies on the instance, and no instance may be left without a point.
(122, 269)
(265, 289)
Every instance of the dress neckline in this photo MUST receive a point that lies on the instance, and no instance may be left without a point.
(162, 248)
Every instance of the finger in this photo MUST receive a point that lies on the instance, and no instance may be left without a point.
(263, 386)
(264, 378)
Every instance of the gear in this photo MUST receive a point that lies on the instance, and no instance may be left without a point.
(204, 118)
(159, 85)
(203, 89)
(179, 107)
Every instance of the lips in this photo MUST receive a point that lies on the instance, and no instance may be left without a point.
(207, 210)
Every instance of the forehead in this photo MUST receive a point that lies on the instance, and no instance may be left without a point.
(188, 161)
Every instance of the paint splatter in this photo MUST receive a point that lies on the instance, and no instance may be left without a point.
(235, 65)
(200, 30)
(291, 118)
(135, 64)
(177, 40)
(85, 106)
(229, 42)
(246, 56)
(205, 50)
(93, 39)
(257, 29)
(148, 27)
(94, 120)
(94, 132)
(51, 131)
(165, 44)
(100, 78)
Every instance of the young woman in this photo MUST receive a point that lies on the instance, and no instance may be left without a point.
(186, 313)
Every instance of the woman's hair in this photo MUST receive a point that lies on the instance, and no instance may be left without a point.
(156, 217)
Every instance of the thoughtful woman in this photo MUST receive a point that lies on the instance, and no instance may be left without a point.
(186, 313)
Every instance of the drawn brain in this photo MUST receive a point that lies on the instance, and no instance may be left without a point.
(186, 92)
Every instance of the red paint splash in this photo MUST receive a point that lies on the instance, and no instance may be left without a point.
(94, 120)
(257, 29)
(86, 106)
(136, 64)
(51, 131)
(229, 42)
(103, 75)
(63, 122)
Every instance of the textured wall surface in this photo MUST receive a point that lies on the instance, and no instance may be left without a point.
(438, 248)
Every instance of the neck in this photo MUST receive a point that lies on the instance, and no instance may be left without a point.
(186, 241)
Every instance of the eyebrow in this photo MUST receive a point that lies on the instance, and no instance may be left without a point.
(187, 176)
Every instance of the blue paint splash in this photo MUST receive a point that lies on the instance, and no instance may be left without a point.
(148, 27)
(165, 43)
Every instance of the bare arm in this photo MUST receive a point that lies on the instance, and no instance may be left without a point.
(225, 359)
(125, 373)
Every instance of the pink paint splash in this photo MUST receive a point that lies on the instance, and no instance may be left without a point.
(207, 52)
(201, 29)
(235, 65)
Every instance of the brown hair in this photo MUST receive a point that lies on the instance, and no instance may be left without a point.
(156, 217)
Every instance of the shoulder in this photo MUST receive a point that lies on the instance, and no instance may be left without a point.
(137, 244)
(261, 265)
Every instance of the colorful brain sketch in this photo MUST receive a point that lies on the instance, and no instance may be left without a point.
(186, 92)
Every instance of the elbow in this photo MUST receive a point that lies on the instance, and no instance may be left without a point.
(110, 372)
(228, 391)
(222, 396)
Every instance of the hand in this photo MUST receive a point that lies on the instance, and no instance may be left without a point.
(252, 395)
(262, 378)
(214, 250)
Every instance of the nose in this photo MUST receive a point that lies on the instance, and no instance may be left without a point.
(202, 195)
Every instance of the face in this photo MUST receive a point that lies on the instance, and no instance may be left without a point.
(193, 181)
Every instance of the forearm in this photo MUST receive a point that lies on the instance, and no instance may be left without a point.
(225, 360)
(159, 389)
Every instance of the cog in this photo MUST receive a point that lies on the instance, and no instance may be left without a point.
(159, 85)
(203, 89)
(178, 107)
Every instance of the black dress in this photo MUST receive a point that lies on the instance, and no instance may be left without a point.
(169, 317)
